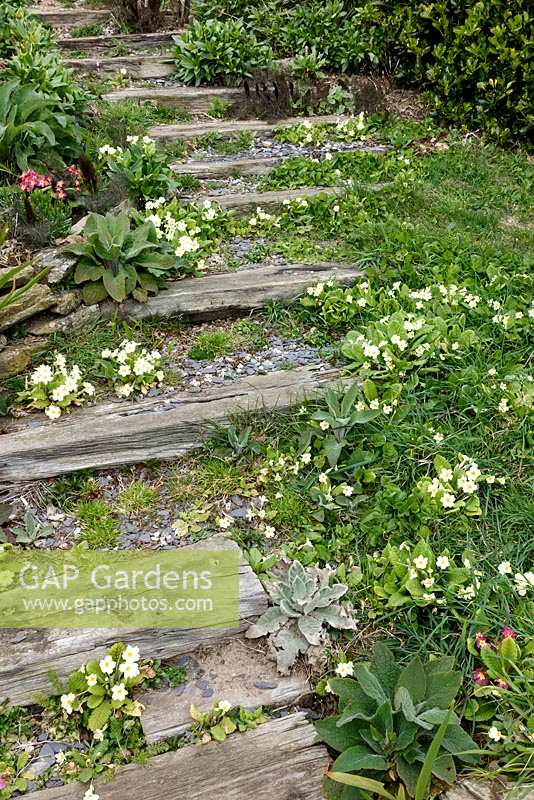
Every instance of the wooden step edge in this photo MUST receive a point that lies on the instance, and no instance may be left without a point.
(279, 759)
(70, 17)
(207, 168)
(228, 129)
(134, 41)
(28, 656)
(247, 202)
(144, 67)
(236, 671)
(187, 97)
(114, 434)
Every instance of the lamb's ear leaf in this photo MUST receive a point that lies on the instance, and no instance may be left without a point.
(269, 622)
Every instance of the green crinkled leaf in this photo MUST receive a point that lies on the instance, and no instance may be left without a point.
(457, 740)
(357, 758)
(369, 683)
(413, 679)
(408, 773)
(338, 738)
(311, 628)
(115, 285)
(384, 666)
(442, 688)
(444, 769)
(93, 292)
(270, 622)
(99, 716)
(87, 271)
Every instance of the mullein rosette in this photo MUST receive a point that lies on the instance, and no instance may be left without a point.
(55, 388)
(132, 369)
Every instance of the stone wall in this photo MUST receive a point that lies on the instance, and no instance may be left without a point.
(44, 309)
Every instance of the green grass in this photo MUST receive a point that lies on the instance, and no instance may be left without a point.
(99, 528)
(137, 497)
(211, 345)
(244, 334)
(86, 30)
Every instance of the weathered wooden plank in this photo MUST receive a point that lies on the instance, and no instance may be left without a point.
(133, 41)
(111, 434)
(209, 168)
(467, 789)
(260, 165)
(196, 100)
(170, 133)
(247, 202)
(238, 293)
(277, 760)
(27, 656)
(136, 66)
(69, 17)
(236, 671)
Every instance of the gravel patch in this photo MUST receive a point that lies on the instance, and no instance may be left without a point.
(279, 354)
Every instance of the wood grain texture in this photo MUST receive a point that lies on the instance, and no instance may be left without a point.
(247, 202)
(144, 67)
(196, 100)
(112, 434)
(237, 671)
(208, 168)
(228, 129)
(485, 790)
(277, 761)
(133, 41)
(26, 656)
(231, 294)
(225, 167)
(69, 17)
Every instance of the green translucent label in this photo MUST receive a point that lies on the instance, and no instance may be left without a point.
(185, 588)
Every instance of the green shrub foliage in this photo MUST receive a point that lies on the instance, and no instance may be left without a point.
(212, 51)
(474, 57)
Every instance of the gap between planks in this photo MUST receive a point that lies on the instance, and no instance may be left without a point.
(238, 671)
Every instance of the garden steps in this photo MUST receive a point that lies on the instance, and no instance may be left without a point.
(131, 41)
(70, 17)
(278, 759)
(28, 655)
(209, 168)
(247, 202)
(227, 129)
(237, 671)
(232, 294)
(142, 67)
(118, 433)
(195, 99)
